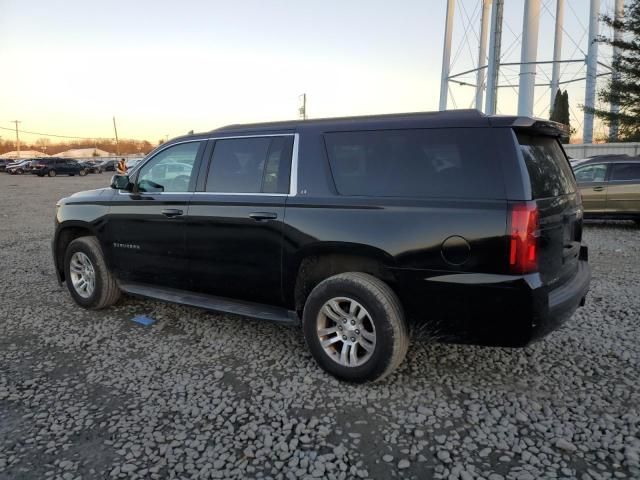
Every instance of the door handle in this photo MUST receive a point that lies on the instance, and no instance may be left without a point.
(171, 212)
(261, 216)
(598, 189)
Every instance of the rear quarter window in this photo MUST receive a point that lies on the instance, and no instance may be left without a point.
(549, 170)
(625, 172)
(430, 163)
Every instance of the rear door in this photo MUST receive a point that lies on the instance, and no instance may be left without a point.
(59, 166)
(554, 191)
(623, 191)
(593, 187)
(234, 230)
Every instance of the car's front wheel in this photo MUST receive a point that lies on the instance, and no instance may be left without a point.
(52, 173)
(88, 279)
(355, 328)
(82, 172)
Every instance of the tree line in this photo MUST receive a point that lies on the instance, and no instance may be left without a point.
(46, 146)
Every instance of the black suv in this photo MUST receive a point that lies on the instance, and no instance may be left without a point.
(55, 166)
(465, 224)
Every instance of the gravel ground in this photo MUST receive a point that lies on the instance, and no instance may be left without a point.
(199, 395)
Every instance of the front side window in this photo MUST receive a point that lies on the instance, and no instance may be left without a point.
(250, 165)
(625, 172)
(171, 170)
(591, 173)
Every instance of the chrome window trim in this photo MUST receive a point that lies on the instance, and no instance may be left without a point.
(260, 194)
(143, 162)
(254, 136)
(293, 184)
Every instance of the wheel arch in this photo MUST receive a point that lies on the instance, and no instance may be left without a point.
(313, 265)
(65, 234)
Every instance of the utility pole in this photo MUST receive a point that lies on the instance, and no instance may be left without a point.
(116, 132)
(446, 55)
(617, 36)
(482, 54)
(592, 71)
(557, 52)
(303, 108)
(495, 43)
(17, 136)
(528, 56)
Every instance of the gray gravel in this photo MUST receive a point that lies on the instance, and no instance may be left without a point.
(198, 395)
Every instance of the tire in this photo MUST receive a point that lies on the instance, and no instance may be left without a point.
(105, 290)
(82, 173)
(52, 173)
(383, 317)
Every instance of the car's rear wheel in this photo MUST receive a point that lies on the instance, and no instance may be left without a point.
(82, 172)
(88, 279)
(52, 173)
(355, 328)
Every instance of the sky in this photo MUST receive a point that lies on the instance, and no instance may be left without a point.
(163, 68)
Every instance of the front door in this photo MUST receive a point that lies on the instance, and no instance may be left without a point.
(593, 187)
(146, 227)
(234, 229)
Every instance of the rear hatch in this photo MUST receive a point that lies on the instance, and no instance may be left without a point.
(38, 164)
(556, 198)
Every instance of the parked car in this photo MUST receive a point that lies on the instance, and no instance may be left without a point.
(4, 163)
(55, 166)
(132, 162)
(108, 165)
(610, 187)
(468, 225)
(18, 168)
(91, 167)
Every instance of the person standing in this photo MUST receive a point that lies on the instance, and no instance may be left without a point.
(122, 167)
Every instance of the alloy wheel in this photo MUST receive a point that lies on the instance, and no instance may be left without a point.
(346, 331)
(83, 274)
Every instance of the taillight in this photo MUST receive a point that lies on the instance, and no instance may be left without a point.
(523, 238)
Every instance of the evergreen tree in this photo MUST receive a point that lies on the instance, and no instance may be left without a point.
(565, 110)
(623, 88)
(556, 107)
(560, 112)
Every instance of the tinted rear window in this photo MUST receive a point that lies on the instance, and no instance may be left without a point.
(549, 169)
(454, 163)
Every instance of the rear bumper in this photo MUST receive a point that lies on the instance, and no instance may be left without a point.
(561, 302)
(495, 310)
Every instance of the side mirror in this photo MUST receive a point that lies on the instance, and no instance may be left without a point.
(121, 182)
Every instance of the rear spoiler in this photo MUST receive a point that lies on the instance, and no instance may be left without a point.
(531, 125)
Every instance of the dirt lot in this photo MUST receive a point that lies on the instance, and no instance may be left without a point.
(199, 395)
